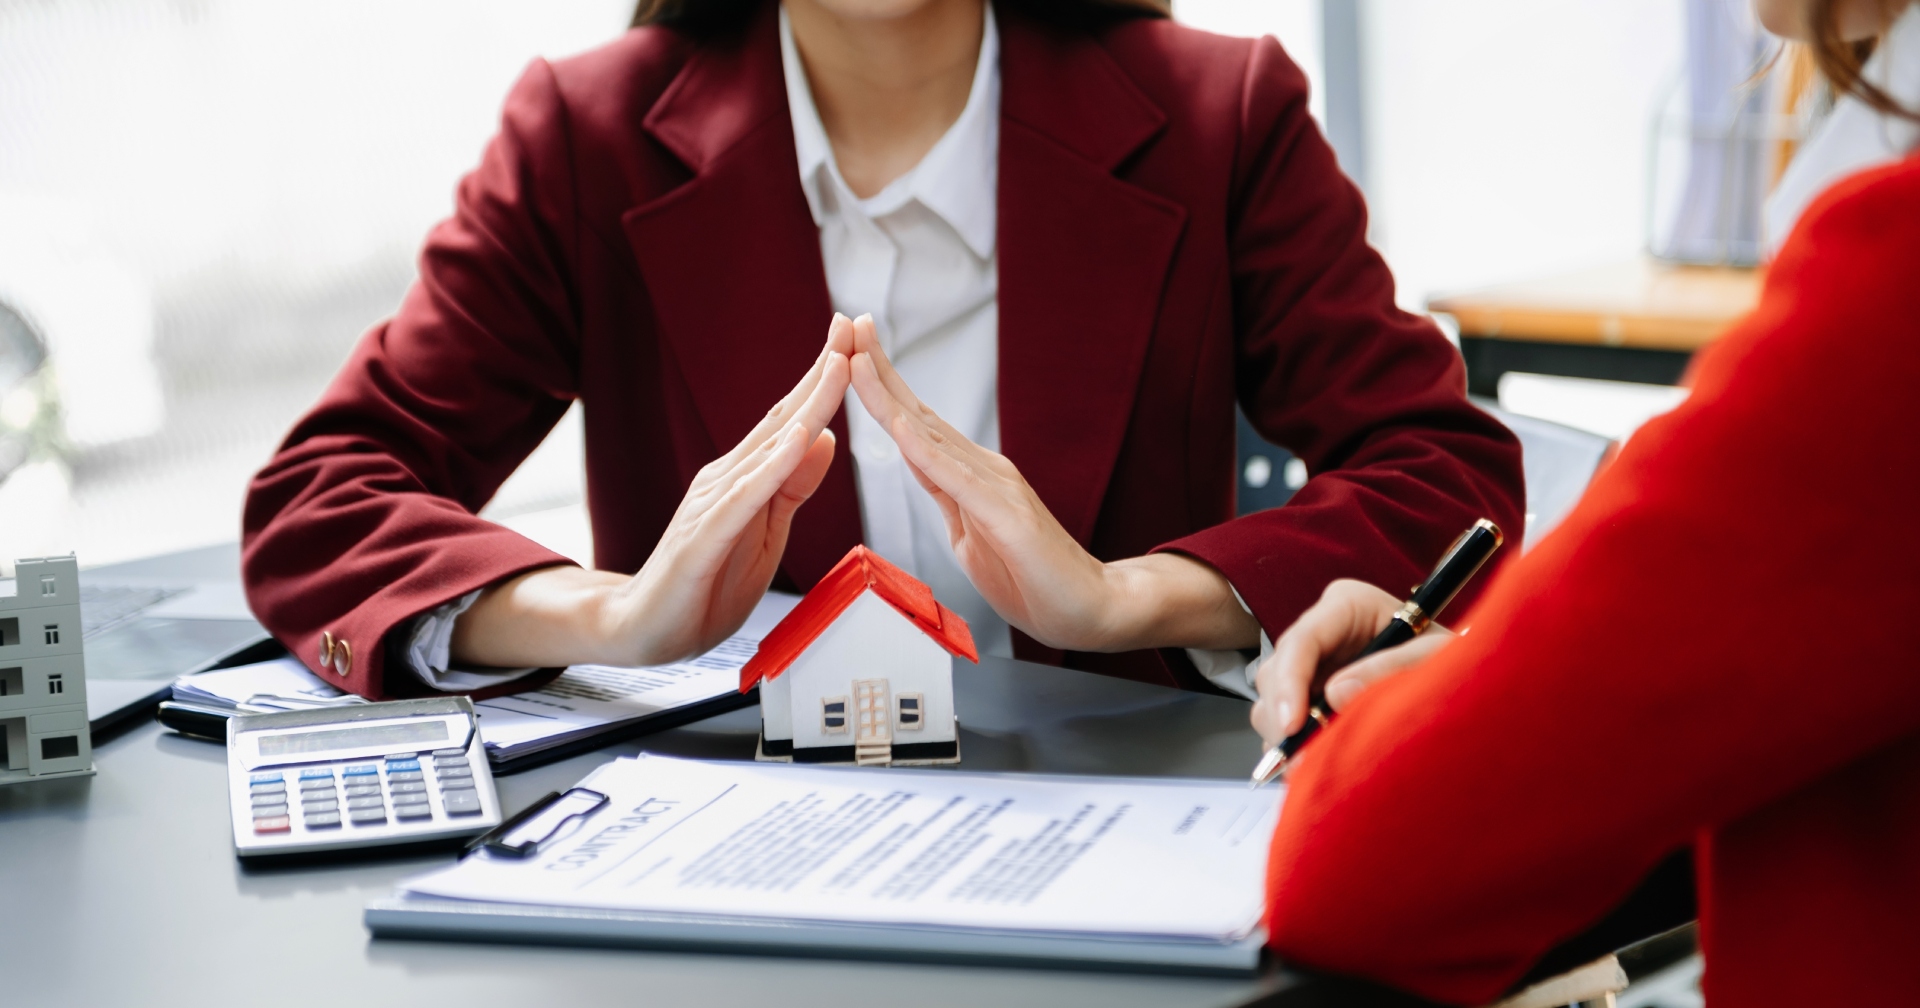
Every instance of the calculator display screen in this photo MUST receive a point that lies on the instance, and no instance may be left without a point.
(405, 733)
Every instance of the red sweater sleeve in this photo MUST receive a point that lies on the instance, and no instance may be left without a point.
(365, 517)
(1371, 398)
(1725, 617)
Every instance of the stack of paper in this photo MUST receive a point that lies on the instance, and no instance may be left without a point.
(885, 862)
(277, 685)
(587, 702)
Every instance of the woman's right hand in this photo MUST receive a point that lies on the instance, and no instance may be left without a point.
(1345, 620)
(711, 565)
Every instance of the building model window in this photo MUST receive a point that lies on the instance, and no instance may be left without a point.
(833, 715)
(53, 633)
(55, 684)
(908, 716)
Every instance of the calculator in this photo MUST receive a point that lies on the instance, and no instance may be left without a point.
(365, 775)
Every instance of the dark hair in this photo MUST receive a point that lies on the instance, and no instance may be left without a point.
(1840, 61)
(714, 17)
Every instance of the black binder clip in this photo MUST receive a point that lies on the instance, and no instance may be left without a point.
(522, 835)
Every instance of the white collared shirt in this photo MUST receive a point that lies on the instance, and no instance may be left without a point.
(1854, 136)
(919, 256)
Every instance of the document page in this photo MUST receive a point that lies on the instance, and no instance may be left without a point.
(280, 684)
(1178, 859)
(584, 697)
(588, 696)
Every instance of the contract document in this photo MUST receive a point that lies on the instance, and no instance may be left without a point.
(583, 705)
(903, 860)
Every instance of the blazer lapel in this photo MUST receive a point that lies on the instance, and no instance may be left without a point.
(731, 261)
(1083, 260)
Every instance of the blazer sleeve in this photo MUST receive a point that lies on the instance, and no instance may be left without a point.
(365, 516)
(1371, 398)
(1716, 625)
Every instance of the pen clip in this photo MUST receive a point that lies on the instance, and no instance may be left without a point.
(506, 839)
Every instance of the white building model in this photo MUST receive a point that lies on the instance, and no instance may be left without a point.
(43, 681)
(859, 671)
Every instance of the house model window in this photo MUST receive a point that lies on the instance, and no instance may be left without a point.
(871, 651)
(53, 633)
(908, 717)
(55, 684)
(833, 715)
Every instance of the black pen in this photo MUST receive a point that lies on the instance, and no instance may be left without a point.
(1462, 560)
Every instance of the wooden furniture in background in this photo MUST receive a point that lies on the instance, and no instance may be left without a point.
(1639, 321)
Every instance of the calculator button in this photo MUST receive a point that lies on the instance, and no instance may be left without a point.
(367, 816)
(275, 787)
(277, 798)
(265, 778)
(322, 820)
(461, 802)
(449, 773)
(360, 770)
(367, 801)
(413, 812)
(316, 807)
(317, 792)
(400, 775)
(316, 773)
(269, 811)
(392, 756)
(272, 824)
(405, 764)
(405, 798)
(449, 752)
(406, 787)
(363, 790)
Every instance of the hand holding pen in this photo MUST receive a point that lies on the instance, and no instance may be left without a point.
(1297, 696)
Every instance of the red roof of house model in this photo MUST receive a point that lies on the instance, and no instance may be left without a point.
(858, 571)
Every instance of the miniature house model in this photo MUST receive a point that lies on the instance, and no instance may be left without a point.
(43, 684)
(859, 671)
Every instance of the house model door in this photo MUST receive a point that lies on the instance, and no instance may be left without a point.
(873, 721)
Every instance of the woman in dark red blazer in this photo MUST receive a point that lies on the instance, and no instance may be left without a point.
(1715, 649)
(1173, 237)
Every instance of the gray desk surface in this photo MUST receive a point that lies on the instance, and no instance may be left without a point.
(122, 889)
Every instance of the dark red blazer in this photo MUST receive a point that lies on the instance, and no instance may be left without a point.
(1716, 647)
(1173, 236)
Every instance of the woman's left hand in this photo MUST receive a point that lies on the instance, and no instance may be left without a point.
(1019, 557)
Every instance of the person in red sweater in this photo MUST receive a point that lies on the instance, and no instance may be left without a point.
(1715, 649)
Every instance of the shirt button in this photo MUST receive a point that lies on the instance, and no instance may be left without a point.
(326, 648)
(342, 656)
